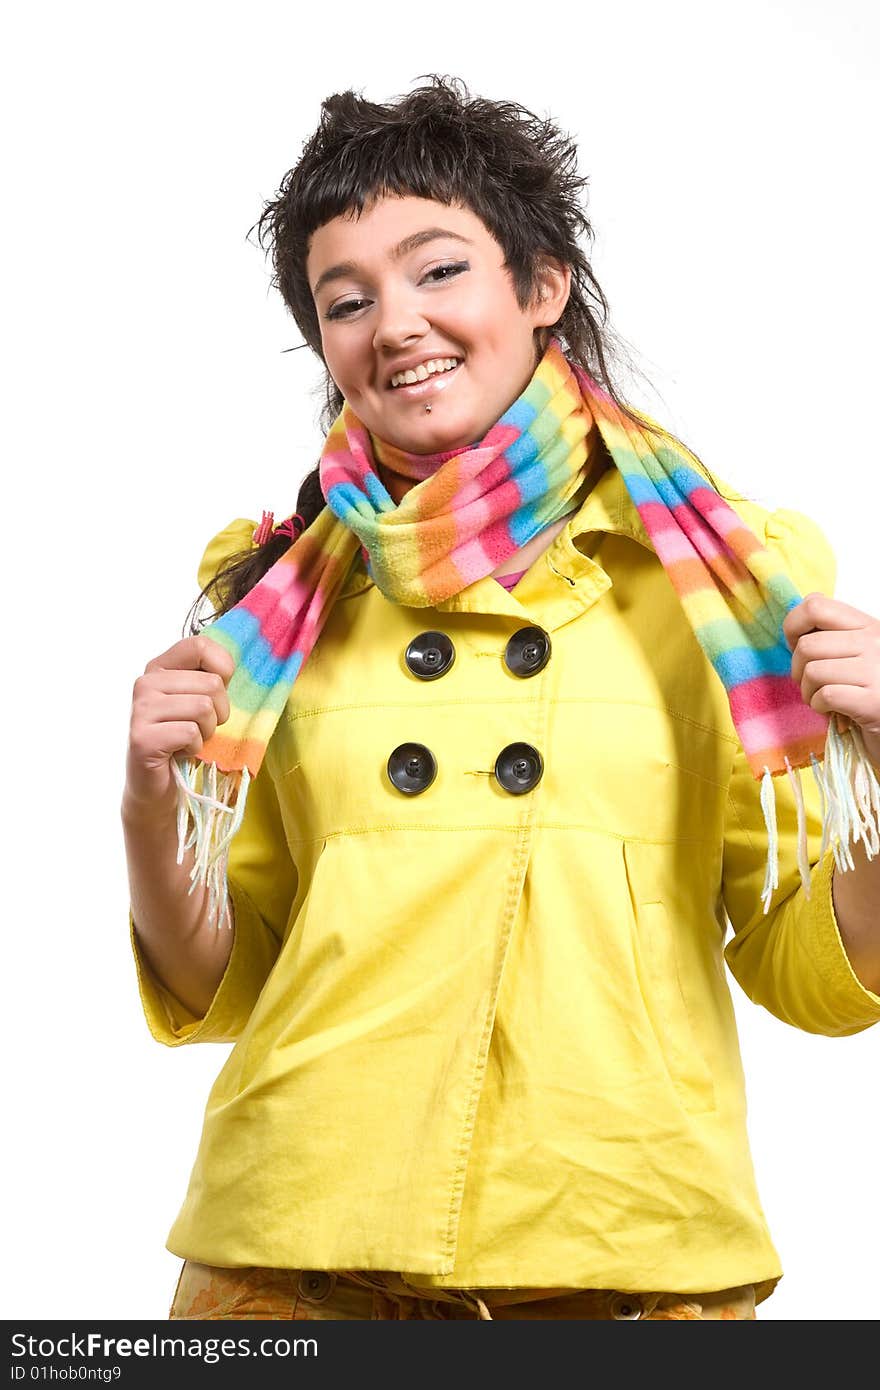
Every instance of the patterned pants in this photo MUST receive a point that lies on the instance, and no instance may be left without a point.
(309, 1295)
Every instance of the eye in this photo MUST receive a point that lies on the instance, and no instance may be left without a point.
(345, 308)
(439, 273)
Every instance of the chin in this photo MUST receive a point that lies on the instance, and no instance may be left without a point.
(423, 438)
(439, 442)
(439, 436)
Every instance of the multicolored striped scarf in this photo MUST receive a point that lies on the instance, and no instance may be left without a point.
(468, 511)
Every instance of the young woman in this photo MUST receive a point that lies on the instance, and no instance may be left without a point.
(492, 738)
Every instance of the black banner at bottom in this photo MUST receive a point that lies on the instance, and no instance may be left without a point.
(196, 1353)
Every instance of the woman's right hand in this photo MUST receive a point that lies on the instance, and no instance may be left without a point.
(176, 705)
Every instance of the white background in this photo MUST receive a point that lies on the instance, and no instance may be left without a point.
(732, 159)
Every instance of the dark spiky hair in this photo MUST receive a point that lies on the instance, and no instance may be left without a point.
(515, 170)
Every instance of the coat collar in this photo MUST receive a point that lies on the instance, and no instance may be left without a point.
(609, 507)
(563, 582)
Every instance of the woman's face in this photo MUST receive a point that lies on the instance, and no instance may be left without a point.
(413, 282)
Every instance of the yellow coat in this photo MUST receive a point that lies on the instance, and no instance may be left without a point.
(486, 1038)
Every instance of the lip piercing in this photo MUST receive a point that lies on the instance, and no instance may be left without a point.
(427, 410)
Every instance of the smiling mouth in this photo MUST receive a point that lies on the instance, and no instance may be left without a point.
(432, 384)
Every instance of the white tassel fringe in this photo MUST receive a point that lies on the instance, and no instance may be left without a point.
(768, 806)
(803, 853)
(849, 792)
(210, 807)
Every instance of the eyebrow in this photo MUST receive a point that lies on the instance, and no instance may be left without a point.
(403, 248)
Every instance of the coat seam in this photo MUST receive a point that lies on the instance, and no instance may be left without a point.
(514, 894)
(739, 820)
(292, 715)
(460, 1170)
(465, 828)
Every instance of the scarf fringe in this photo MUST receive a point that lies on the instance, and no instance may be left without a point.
(211, 805)
(849, 792)
(210, 808)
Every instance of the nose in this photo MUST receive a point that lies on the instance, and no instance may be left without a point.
(399, 319)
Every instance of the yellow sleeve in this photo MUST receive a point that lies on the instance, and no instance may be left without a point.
(238, 536)
(792, 961)
(262, 885)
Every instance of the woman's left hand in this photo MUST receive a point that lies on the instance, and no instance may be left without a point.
(836, 662)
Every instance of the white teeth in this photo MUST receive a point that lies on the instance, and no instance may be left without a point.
(424, 370)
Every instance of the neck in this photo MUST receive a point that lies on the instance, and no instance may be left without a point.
(396, 486)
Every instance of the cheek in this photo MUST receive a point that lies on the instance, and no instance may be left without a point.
(340, 358)
(478, 308)
(495, 323)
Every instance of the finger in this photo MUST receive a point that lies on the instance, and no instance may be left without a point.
(825, 646)
(170, 709)
(853, 701)
(194, 654)
(821, 611)
(817, 674)
(156, 743)
(162, 682)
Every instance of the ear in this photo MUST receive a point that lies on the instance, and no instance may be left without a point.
(552, 291)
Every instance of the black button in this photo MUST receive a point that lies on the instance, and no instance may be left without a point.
(626, 1306)
(528, 651)
(519, 767)
(314, 1284)
(430, 655)
(412, 768)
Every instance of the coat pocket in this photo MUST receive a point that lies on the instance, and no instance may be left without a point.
(664, 983)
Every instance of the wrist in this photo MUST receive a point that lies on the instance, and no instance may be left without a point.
(147, 813)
